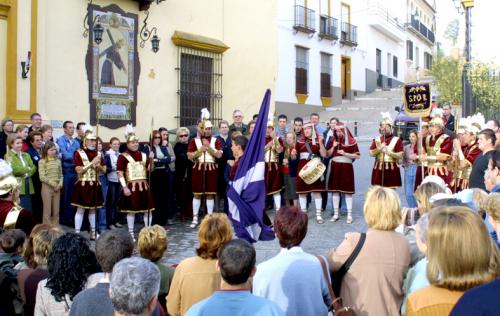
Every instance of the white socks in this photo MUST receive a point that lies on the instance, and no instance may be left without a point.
(348, 201)
(210, 205)
(317, 200)
(196, 206)
(277, 201)
(130, 222)
(147, 219)
(79, 219)
(303, 202)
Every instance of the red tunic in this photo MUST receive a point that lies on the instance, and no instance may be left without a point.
(471, 152)
(273, 175)
(87, 194)
(445, 146)
(25, 221)
(204, 176)
(341, 177)
(303, 187)
(234, 168)
(139, 201)
(387, 174)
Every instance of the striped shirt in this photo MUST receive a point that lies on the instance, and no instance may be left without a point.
(50, 171)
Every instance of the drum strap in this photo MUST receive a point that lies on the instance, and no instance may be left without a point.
(311, 155)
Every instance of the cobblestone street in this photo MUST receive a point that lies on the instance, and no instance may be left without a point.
(319, 239)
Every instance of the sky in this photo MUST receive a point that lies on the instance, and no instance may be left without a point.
(485, 43)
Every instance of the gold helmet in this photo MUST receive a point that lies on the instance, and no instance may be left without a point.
(386, 119)
(130, 133)
(437, 118)
(8, 182)
(89, 135)
(205, 119)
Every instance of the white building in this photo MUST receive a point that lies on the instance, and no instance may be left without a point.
(331, 50)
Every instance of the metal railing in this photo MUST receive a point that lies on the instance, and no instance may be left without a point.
(421, 28)
(328, 27)
(304, 19)
(349, 33)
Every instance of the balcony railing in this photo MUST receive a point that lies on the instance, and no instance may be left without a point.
(328, 27)
(349, 34)
(304, 19)
(422, 29)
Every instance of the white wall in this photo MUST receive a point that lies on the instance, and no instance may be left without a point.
(3, 66)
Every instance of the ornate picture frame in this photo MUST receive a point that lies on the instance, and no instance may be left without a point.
(113, 67)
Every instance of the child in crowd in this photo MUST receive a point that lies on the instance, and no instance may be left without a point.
(51, 176)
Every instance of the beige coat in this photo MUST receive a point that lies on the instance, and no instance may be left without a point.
(373, 284)
(194, 280)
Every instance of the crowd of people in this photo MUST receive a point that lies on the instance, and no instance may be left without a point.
(440, 255)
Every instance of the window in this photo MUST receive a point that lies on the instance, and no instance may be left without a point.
(427, 61)
(409, 50)
(200, 85)
(301, 68)
(326, 74)
(394, 66)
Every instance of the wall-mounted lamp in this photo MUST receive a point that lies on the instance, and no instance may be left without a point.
(145, 34)
(25, 65)
(96, 28)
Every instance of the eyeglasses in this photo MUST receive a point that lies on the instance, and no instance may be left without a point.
(238, 116)
(157, 137)
(184, 135)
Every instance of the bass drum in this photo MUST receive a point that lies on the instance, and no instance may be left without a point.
(312, 171)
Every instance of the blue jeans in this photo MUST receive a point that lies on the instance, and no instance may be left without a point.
(410, 175)
(112, 214)
(67, 214)
(102, 211)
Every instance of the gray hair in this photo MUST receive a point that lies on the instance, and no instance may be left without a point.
(422, 226)
(134, 282)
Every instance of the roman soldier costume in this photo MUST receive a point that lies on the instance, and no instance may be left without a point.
(11, 214)
(342, 147)
(388, 151)
(466, 155)
(203, 150)
(438, 149)
(310, 169)
(87, 191)
(132, 167)
(273, 176)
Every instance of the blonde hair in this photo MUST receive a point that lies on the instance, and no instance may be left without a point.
(423, 194)
(215, 230)
(492, 206)
(43, 241)
(461, 253)
(152, 242)
(479, 198)
(382, 208)
(180, 130)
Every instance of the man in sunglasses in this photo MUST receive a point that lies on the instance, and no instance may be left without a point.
(238, 124)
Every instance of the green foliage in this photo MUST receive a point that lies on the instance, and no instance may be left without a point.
(451, 32)
(485, 82)
(447, 72)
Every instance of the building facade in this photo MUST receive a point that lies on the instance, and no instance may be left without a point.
(216, 54)
(331, 50)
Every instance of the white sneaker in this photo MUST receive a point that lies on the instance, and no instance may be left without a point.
(349, 219)
(194, 223)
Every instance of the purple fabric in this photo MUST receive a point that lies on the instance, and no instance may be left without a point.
(246, 208)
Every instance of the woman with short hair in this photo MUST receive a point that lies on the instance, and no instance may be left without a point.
(461, 256)
(373, 284)
(183, 166)
(196, 278)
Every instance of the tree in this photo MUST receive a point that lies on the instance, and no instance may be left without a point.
(485, 82)
(451, 32)
(447, 72)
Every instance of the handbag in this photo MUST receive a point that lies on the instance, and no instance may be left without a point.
(340, 273)
(337, 305)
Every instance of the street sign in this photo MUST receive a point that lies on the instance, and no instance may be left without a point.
(417, 99)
